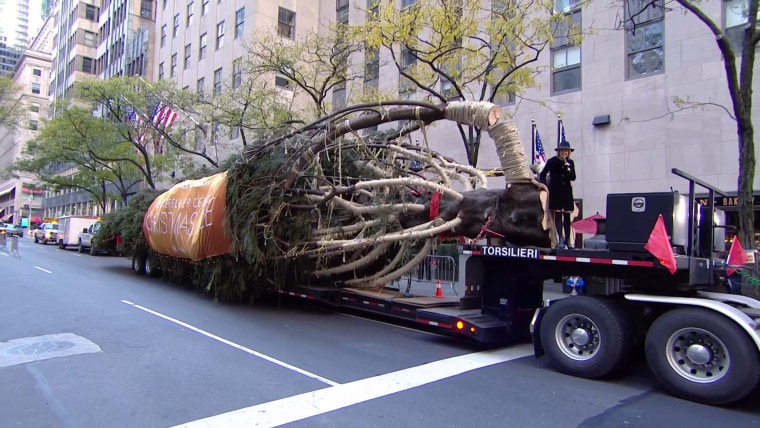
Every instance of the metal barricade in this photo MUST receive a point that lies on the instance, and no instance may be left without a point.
(433, 269)
(3, 242)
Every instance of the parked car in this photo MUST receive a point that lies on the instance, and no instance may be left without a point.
(47, 232)
(3, 227)
(14, 230)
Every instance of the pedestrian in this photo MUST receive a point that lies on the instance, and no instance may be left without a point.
(560, 170)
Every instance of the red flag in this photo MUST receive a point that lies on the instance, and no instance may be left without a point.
(736, 255)
(659, 246)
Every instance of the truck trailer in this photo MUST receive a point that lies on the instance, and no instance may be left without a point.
(70, 227)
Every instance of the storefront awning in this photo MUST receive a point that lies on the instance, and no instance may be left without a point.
(6, 191)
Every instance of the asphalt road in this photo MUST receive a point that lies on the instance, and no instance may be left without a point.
(139, 352)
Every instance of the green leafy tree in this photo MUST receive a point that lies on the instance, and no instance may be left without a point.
(449, 49)
(11, 110)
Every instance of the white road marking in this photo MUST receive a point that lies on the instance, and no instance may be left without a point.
(299, 407)
(4, 254)
(234, 345)
(394, 325)
(44, 270)
(75, 254)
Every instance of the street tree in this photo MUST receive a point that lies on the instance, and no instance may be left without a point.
(10, 111)
(79, 151)
(738, 48)
(459, 49)
(313, 65)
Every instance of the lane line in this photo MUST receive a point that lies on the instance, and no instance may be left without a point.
(235, 345)
(76, 255)
(394, 325)
(4, 254)
(299, 407)
(44, 270)
(52, 402)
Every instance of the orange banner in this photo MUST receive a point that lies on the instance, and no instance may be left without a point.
(187, 220)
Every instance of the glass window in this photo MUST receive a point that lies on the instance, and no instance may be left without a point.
(202, 49)
(188, 53)
(34, 107)
(200, 87)
(371, 64)
(91, 12)
(204, 8)
(87, 65)
(189, 14)
(160, 71)
(36, 88)
(163, 35)
(286, 23)
(176, 26)
(407, 58)
(34, 125)
(734, 18)
(237, 73)
(146, 9)
(407, 3)
(566, 56)
(339, 99)
(235, 132)
(37, 72)
(282, 82)
(218, 81)
(90, 39)
(341, 12)
(219, 35)
(239, 22)
(645, 24)
(173, 71)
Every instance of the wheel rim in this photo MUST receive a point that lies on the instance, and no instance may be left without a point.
(697, 355)
(578, 337)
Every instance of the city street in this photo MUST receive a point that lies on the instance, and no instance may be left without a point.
(86, 343)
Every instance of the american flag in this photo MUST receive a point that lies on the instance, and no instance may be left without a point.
(562, 132)
(163, 118)
(540, 153)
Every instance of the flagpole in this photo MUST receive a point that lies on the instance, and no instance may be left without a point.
(532, 141)
(559, 128)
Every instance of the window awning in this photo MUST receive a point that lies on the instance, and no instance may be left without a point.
(6, 191)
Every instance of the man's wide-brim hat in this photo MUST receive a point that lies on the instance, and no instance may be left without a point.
(564, 145)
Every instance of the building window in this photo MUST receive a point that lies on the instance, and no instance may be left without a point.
(200, 87)
(90, 39)
(91, 12)
(165, 1)
(37, 72)
(202, 49)
(173, 71)
(407, 58)
(239, 22)
(219, 35)
(34, 125)
(218, 81)
(235, 132)
(146, 9)
(87, 65)
(644, 25)
(175, 31)
(341, 12)
(36, 88)
(163, 35)
(160, 71)
(190, 13)
(286, 23)
(34, 107)
(237, 73)
(204, 8)
(407, 3)
(188, 52)
(734, 20)
(566, 56)
(339, 99)
(371, 64)
(282, 82)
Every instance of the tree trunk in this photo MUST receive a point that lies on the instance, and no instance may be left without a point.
(746, 177)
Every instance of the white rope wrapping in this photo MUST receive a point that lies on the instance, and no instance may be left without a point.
(481, 114)
(511, 152)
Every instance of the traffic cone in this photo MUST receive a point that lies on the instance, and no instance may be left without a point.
(438, 290)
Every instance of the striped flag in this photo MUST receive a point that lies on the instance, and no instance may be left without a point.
(163, 118)
(540, 153)
(562, 131)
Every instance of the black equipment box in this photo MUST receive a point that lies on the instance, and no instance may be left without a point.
(632, 216)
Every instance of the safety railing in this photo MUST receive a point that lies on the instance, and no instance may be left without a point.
(13, 244)
(432, 270)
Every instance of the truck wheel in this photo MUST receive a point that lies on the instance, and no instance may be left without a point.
(151, 268)
(586, 336)
(80, 248)
(93, 251)
(36, 241)
(61, 246)
(138, 264)
(703, 356)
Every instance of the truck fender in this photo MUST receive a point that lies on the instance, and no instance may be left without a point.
(535, 328)
(740, 318)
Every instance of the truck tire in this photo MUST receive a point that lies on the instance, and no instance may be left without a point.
(80, 248)
(61, 246)
(138, 264)
(702, 356)
(93, 251)
(151, 267)
(36, 241)
(586, 336)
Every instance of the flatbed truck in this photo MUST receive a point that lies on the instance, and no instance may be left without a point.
(701, 339)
